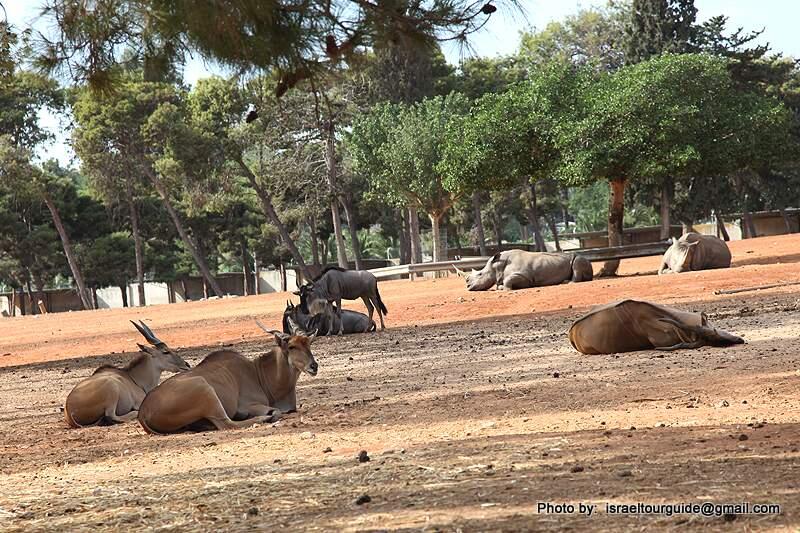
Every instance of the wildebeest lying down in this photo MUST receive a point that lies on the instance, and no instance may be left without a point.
(518, 269)
(228, 391)
(334, 284)
(632, 325)
(324, 323)
(112, 395)
(694, 251)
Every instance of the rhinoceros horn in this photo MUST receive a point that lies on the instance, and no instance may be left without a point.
(459, 272)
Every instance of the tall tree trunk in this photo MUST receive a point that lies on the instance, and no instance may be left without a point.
(533, 207)
(312, 227)
(750, 228)
(341, 250)
(416, 241)
(436, 237)
(347, 204)
(666, 201)
(721, 229)
(476, 208)
(554, 230)
(21, 300)
(456, 231)
(124, 290)
(269, 211)
(13, 310)
(616, 217)
(564, 204)
(40, 294)
(256, 274)
(73, 262)
(786, 222)
(34, 308)
(137, 241)
(248, 274)
(199, 259)
(330, 164)
(404, 243)
(497, 223)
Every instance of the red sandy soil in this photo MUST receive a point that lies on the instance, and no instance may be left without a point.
(472, 406)
(33, 339)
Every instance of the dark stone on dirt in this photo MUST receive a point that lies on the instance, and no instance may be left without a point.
(363, 457)
(327, 450)
(364, 498)
(556, 374)
(349, 378)
(743, 437)
(729, 517)
(575, 469)
(253, 511)
(625, 473)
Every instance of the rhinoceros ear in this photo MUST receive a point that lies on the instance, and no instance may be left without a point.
(496, 257)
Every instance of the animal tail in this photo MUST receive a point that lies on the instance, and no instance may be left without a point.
(147, 429)
(70, 421)
(380, 302)
(73, 424)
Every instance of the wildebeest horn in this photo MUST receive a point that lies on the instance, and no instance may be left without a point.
(148, 334)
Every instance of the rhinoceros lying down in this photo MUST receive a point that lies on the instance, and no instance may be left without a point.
(695, 252)
(632, 325)
(518, 269)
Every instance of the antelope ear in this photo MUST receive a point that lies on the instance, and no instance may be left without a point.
(283, 341)
(695, 243)
(142, 347)
(313, 336)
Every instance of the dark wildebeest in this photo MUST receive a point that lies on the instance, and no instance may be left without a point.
(518, 269)
(228, 390)
(632, 325)
(296, 321)
(113, 395)
(335, 284)
(694, 251)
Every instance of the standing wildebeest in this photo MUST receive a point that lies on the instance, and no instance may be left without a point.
(632, 325)
(518, 269)
(228, 391)
(335, 283)
(113, 395)
(296, 321)
(694, 251)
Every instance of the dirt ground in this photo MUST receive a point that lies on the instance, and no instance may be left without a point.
(473, 408)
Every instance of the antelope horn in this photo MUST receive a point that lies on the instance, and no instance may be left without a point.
(273, 331)
(148, 334)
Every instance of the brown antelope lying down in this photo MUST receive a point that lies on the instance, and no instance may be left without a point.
(228, 391)
(632, 325)
(112, 395)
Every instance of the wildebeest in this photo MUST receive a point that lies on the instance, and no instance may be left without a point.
(694, 251)
(113, 395)
(631, 325)
(335, 284)
(226, 390)
(326, 322)
(518, 269)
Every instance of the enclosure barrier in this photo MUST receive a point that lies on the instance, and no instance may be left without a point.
(627, 251)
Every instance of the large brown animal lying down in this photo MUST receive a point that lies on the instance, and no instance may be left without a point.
(228, 391)
(113, 395)
(632, 325)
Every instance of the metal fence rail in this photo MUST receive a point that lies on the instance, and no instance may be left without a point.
(627, 251)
